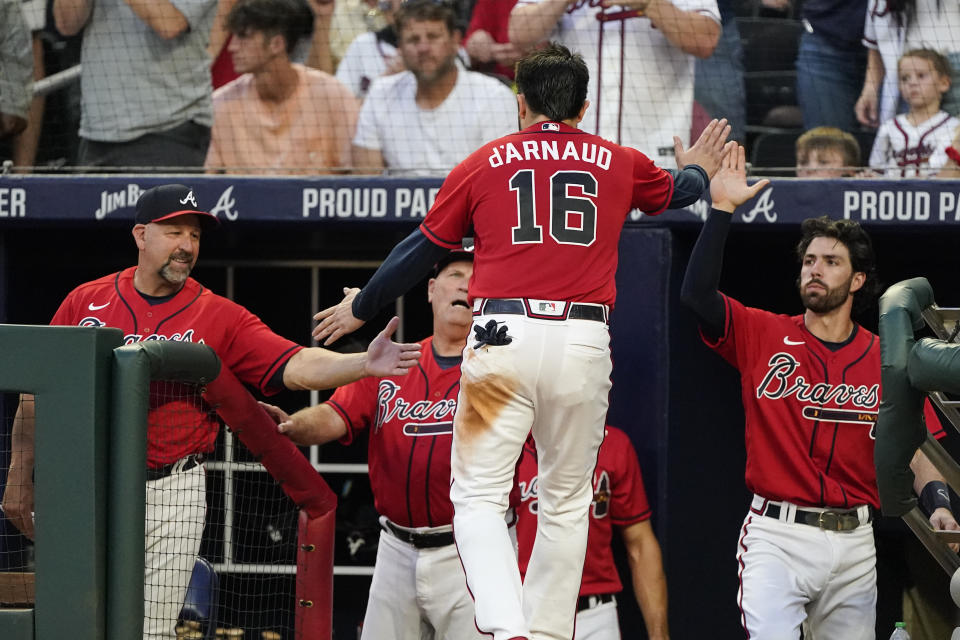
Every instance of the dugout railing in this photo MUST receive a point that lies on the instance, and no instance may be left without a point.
(912, 369)
(68, 370)
(91, 458)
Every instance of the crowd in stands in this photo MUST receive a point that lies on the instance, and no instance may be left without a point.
(411, 87)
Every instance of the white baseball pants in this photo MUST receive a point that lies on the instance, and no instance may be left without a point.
(176, 508)
(598, 623)
(418, 594)
(553, 378)
(795, 574)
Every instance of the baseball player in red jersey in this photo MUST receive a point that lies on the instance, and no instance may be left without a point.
(418, 590)
(546, 206)
(157, 300)
(619, 500)
(811, 392)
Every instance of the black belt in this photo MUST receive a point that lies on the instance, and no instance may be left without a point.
(589, 602)
(575, 310)
(419, 540)
(830, 520)
(181, 465)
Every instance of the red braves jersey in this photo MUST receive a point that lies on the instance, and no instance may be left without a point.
(412, 429)
(245, 345)
(546, 206)
(619, 499)
(810, 412)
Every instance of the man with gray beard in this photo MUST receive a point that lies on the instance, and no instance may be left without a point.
(158, 300)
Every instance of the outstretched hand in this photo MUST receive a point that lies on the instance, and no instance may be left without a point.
(709, 149)
(388, 358)
(299, 432)
(277, 414)
(338, 320)
(729, 188)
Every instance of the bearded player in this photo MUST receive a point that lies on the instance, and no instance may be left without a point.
(810, 392)
(157, 300)
(546, 205)
(619, 503)
(409, 419)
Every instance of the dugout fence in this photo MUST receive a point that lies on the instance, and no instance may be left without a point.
(87, 479)
(911, 369)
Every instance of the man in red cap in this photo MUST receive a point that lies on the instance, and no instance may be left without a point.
(158, 300)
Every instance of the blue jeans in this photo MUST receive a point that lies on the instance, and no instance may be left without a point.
(829, 81)
(719, 82)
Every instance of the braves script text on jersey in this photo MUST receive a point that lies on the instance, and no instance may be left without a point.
(177, 426)
(194, 314)
(410, 422)
(410, 419)
(810, 418)
(619, 499)
(828, 398)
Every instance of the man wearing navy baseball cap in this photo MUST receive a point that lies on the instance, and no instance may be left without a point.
(158, 300)
(169, 222)
(169, 201)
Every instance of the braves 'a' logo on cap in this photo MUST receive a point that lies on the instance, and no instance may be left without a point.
(189, 198)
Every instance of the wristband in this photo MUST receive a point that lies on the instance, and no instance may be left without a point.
(935, 494)
(953, 154)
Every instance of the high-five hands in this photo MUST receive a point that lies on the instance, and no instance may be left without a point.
(729, 188)
(338, 320)
(709, 149)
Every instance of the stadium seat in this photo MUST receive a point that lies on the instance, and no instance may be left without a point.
(766, 91)
(774, 149)
(769, 44)
(769, 57)
(200, 603)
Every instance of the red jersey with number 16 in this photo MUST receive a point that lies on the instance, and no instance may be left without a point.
(546, 206)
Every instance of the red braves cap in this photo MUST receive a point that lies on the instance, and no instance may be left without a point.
(169, 201)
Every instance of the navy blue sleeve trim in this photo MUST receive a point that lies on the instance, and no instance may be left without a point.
(406, 265)
(701, 283)
(688, 185)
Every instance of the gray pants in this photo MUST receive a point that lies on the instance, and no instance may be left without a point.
(182, 146)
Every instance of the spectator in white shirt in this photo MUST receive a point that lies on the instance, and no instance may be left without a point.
(427, 119)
